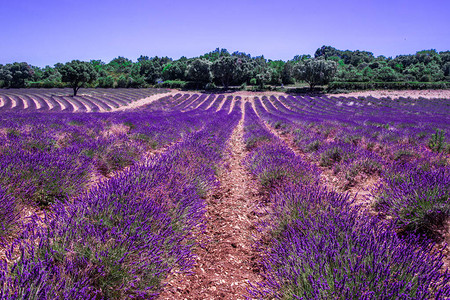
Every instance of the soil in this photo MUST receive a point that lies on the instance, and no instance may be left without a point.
(144, 101)
(226, 261)
(444, 244)
(415, 94)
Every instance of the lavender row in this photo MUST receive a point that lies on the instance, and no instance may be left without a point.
(123, 237)
(57, 100)
(400, 155)
(323, 247)
(48, 158)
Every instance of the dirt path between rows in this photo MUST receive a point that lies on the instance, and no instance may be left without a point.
(227, 261)
(144, 101)
(415, 94)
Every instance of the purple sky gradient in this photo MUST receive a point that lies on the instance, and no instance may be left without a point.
(49, 31)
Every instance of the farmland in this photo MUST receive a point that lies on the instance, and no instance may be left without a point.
(210, 196)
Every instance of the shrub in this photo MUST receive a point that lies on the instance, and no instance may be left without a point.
(44, 177)
(8, 212)
(323, 248)
(313, 146)
(116, 157)
(172, 84)
(437, 141)
(419, 198)
(210, 86)
(330, 156)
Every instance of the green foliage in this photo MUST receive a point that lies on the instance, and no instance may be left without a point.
(210, 86)
(313, 146)
(227, 68)
(437, 141)
(14, 75)
(316, 71)
(199, 71)
(116, 157)
(149, 69)
(386, 74)
(122, 81)
(330, 156)
(349, 70)
(106, 82)
(172, 84)
(174, 71)
(215, 55)
(121, 65)
(77, 73)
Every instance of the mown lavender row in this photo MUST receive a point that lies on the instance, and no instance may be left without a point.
(407, 150)
(121, 238)
(323, 246)
(57, 100)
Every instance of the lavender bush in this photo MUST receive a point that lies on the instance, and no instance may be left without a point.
(323, 246)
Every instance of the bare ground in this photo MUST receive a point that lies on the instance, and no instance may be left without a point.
(144, 101)
(415, 94)
(226, 261)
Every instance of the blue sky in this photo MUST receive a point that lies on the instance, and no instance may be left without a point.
(49, 31)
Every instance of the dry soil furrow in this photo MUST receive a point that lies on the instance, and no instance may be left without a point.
(226, 261)
(143, 101)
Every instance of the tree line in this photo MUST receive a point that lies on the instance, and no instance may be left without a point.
(219, 68)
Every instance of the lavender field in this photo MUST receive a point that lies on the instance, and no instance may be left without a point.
(61, 100)
(227, 196)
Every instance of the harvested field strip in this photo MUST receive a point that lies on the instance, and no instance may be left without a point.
(89, 100)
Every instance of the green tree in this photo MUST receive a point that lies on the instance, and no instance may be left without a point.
(260, 71)
(122, 81)
(277, 67)
(199, 71)
(446, 69)
(149, 70)
(287, 74)
(174, 70)
(215, 55)
(316, 71)
(302, 57)
(386, 74)
(121, 65)
(106, 82)
(77, 74)
(327, 51)
(226, 68)
(15, 74)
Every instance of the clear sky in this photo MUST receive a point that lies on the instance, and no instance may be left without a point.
(44, 32)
